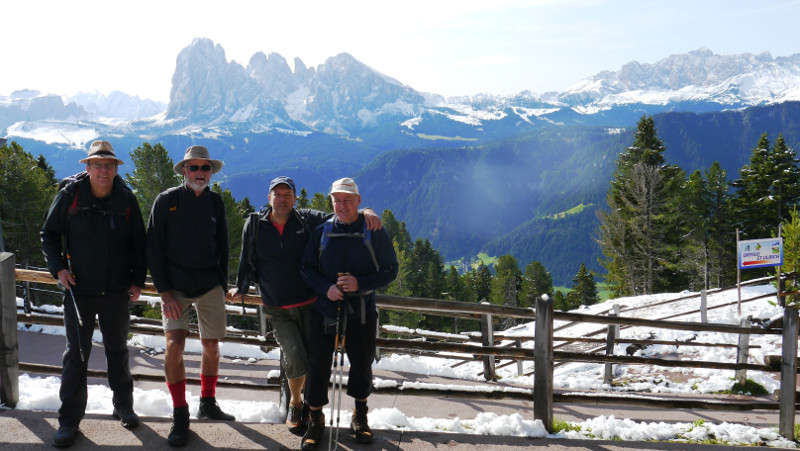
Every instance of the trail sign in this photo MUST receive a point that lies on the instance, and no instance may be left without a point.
(760, 253)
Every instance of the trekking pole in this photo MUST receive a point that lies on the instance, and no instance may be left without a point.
(77, 311)
(333, 386)
(341, 377)
(80, 321)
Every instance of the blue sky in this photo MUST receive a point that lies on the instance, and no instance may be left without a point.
(462, 47)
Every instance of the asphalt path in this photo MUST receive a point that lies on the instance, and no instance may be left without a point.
(34, 429)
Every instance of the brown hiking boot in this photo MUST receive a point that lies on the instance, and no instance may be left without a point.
(360, 427)
(297, 420)
(316, 428)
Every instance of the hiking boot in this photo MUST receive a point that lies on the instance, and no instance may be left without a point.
(209, 410)
(65, 436)
(179, 432)
(316, 427)
(360, 427)
(297, 420)
(127, 417)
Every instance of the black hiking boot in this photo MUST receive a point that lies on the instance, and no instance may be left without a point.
(179, 432)
(360, 427)
(316, 428)
(209, 410)
(127, 417)
(297, 420)
(65, 436)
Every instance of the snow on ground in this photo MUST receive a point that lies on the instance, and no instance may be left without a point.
(42, 393)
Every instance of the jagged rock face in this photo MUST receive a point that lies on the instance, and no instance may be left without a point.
(342, 94)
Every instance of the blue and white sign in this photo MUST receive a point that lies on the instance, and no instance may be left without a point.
(760, 253)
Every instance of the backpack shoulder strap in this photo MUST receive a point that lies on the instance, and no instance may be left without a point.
(368, 243)
(326, 230)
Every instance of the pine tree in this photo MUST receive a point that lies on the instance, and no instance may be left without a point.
(767, 188)
(640, 233)
(481, 281)
(302, 200)
(536, 281)
(153, 173)
(321, 202)
(790, 231)
(584, 289)
(26, 191)
(235, 214)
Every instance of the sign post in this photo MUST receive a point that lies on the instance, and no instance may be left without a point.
(760, 253)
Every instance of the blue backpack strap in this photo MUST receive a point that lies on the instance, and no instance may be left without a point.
(368, 243)
(326, 229)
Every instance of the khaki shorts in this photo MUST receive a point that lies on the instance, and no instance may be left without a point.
(210, 309)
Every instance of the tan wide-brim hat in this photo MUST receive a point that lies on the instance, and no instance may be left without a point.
(197, 153)
(101, 150)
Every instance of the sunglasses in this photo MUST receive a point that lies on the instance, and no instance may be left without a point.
(195, 168)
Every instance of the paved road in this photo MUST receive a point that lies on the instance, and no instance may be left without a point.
(34, 429)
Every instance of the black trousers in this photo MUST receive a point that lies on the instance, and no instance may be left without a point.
(360, 349)
(115, 323)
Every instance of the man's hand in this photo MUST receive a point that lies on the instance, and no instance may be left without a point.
(66, 278)
(134, 292)
(334, 293)
(234, 295)
(171, 307)
(373, 220)
(348, 283)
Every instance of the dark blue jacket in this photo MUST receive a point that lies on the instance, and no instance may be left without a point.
(277, 257)
(349, 254)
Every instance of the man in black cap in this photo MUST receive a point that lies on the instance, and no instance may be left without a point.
(93, 240)
(187, 253)
(272, 248)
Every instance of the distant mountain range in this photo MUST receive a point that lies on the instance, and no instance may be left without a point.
(435, 161)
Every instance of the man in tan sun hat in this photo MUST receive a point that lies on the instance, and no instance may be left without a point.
(187, 253)
(93, 239)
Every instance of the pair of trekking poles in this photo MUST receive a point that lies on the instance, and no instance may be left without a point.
(338, 366)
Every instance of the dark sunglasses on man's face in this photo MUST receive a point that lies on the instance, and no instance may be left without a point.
(195, 168)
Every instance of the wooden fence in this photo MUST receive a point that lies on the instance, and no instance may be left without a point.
(544, 354)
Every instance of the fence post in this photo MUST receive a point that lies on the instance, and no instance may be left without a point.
(9, 347)
(613, 334)
(743, 352)
(520, 372)
(487, 339)
(543, 363)
(703, 306)
(788, 373)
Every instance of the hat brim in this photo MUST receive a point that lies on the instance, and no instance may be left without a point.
(216, 165)
(101, 157)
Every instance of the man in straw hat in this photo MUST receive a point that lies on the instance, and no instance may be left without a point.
(93, 239)
(187, 253)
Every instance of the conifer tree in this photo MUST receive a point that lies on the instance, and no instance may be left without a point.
(790, 231)
(767, 189)
(153, 173)
(536, 281)
(481, 281)
(640, 233)
(584, 289)
(235, 214)
(321, 202)
(302, 200)
(26, 192)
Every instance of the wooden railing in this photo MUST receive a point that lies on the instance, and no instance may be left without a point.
(544, 354)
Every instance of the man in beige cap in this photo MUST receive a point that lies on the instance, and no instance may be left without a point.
(93, 240)
(344, 263)
(187, 253)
